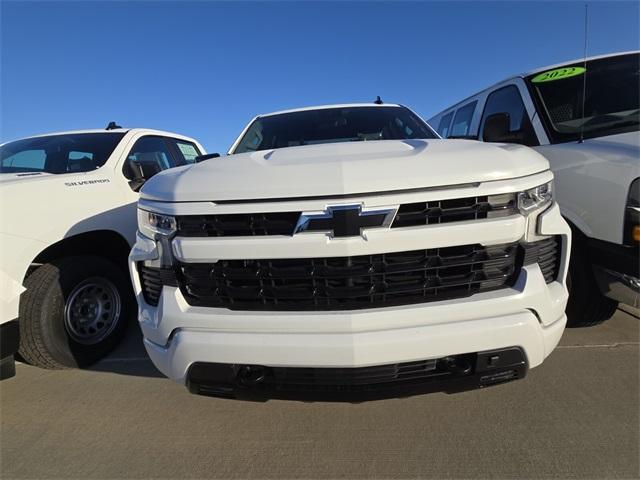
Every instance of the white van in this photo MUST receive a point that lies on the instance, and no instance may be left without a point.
(595, 156)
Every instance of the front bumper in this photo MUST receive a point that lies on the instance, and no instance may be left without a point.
(617, 270)
(483, 322)
(529, 316)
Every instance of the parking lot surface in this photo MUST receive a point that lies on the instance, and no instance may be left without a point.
(577, 415)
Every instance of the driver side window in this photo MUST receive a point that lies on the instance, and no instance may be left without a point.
(507, 101)
(26, 160)
(149, 155)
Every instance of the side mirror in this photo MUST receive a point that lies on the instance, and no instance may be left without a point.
(496, 128)
(202, 158)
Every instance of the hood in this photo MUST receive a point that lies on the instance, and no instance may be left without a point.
(344, 168)
(621, 145)
(615, 155)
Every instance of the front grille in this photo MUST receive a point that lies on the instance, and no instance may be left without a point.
(297, 377)
(455, 210)
(546, 253)
(153, 279)
(349, 283)
(409, 215)
(237, 225)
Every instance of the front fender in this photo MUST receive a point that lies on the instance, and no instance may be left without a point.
(18, 252)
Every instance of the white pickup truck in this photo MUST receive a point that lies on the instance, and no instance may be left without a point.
(67, 223)
(349, 249)
(584, 117)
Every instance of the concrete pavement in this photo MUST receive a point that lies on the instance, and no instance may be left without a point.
(577, 415)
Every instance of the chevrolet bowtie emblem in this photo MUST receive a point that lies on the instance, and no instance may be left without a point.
(344, 220)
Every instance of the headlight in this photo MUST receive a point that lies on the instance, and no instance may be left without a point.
(535, 198)
(153, 224)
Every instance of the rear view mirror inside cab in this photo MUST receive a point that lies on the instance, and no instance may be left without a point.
(139, 172)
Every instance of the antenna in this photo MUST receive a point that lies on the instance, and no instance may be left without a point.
(378, 100)
(584, 74)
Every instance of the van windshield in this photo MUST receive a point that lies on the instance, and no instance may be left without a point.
(332, 125)
(67, 153)
(612, 98)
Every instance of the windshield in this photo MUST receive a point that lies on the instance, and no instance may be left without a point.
(332, 125)
(77, 152)
(611, 100)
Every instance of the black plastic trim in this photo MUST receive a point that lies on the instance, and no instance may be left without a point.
(613, 256)
(449, 374)
(350, 283)
(547, 254)
(346, 222)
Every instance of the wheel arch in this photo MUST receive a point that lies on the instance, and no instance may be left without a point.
(577, 224)
(107, 244)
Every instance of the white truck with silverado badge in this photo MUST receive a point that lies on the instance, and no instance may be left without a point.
(349, 249)
(67, 223)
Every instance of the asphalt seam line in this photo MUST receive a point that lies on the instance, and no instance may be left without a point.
(602, 345)
(559, 347)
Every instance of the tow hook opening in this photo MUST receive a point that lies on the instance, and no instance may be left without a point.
(250, 375)
(456, 366)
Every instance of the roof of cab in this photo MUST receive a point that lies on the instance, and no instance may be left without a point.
(148, 131)
(532, 72)
(324, 107)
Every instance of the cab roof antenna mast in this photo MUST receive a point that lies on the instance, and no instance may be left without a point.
(584, 74)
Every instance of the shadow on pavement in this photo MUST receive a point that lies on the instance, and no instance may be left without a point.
(129, 358)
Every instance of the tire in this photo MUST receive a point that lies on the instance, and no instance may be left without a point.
(74, 311)
(587, 305)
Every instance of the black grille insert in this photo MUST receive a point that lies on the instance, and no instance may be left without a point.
(237, 225)
(455, 210)
(546, 253)
(348, 283)
(409, 215)
(342, 377)
(153, 279)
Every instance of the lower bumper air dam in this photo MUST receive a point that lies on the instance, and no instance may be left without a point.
(448, 374)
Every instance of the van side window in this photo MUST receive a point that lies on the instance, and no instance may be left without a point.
(462, 120)
(443, 127)
(507, 100)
